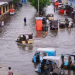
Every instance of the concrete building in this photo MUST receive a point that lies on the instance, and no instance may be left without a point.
(5, 5)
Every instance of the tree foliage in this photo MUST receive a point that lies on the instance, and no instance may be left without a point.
(16, 1)
(42, 3)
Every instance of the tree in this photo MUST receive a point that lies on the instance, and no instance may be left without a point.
(16, 1)
(42, 4)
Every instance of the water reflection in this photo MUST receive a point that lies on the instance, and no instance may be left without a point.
(38, 34)
(54, 33)
(25, 47)
(63, 40)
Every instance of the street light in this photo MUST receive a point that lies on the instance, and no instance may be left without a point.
(38, 7)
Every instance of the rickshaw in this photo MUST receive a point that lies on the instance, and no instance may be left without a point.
(60, 5)
(62, 23)
(54, 25)
(51, 64)
(50, 17)
(58, 63)
(43, 52)
(11, 11)
(68, 64)
(68, 20)
(25, 39)
(68, 9)
(65, 22)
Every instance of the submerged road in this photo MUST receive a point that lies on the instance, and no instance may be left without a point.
(20, 57)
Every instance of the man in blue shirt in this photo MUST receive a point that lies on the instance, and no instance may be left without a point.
(25, 20)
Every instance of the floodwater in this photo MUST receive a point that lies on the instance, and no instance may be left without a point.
(20, 57)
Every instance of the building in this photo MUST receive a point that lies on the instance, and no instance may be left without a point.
(72, 3)
(5, 5)
(64, 1)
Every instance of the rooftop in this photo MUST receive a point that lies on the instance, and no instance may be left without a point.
(1, 3)
(5, 0)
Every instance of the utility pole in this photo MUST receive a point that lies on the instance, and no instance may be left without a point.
(38, 7)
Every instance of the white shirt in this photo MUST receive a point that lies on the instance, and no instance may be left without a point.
(2, 24)
(70, 24)
(47, 21)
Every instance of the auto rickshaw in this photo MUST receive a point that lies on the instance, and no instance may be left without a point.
(54, 25)
(43, 52)
(60, 5)
(67, 20)
(68, 64)
(56, 63)
(50, 17)
(61, 23)
(68, 9)
(51, 64)
(11, 11)
(25, 39)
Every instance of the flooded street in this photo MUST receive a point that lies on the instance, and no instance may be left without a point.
(20, 57)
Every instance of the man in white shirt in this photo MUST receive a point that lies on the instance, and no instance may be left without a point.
(70, 24)
(2, 24)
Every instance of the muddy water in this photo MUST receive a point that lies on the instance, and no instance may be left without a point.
(20, 57)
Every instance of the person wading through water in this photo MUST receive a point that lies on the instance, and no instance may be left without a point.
(25, 20)
(10, 72)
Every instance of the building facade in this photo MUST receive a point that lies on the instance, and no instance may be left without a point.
(72, 3)
(5, 5)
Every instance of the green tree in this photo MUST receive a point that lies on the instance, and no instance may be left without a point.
(42, 4)
(16, 1)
